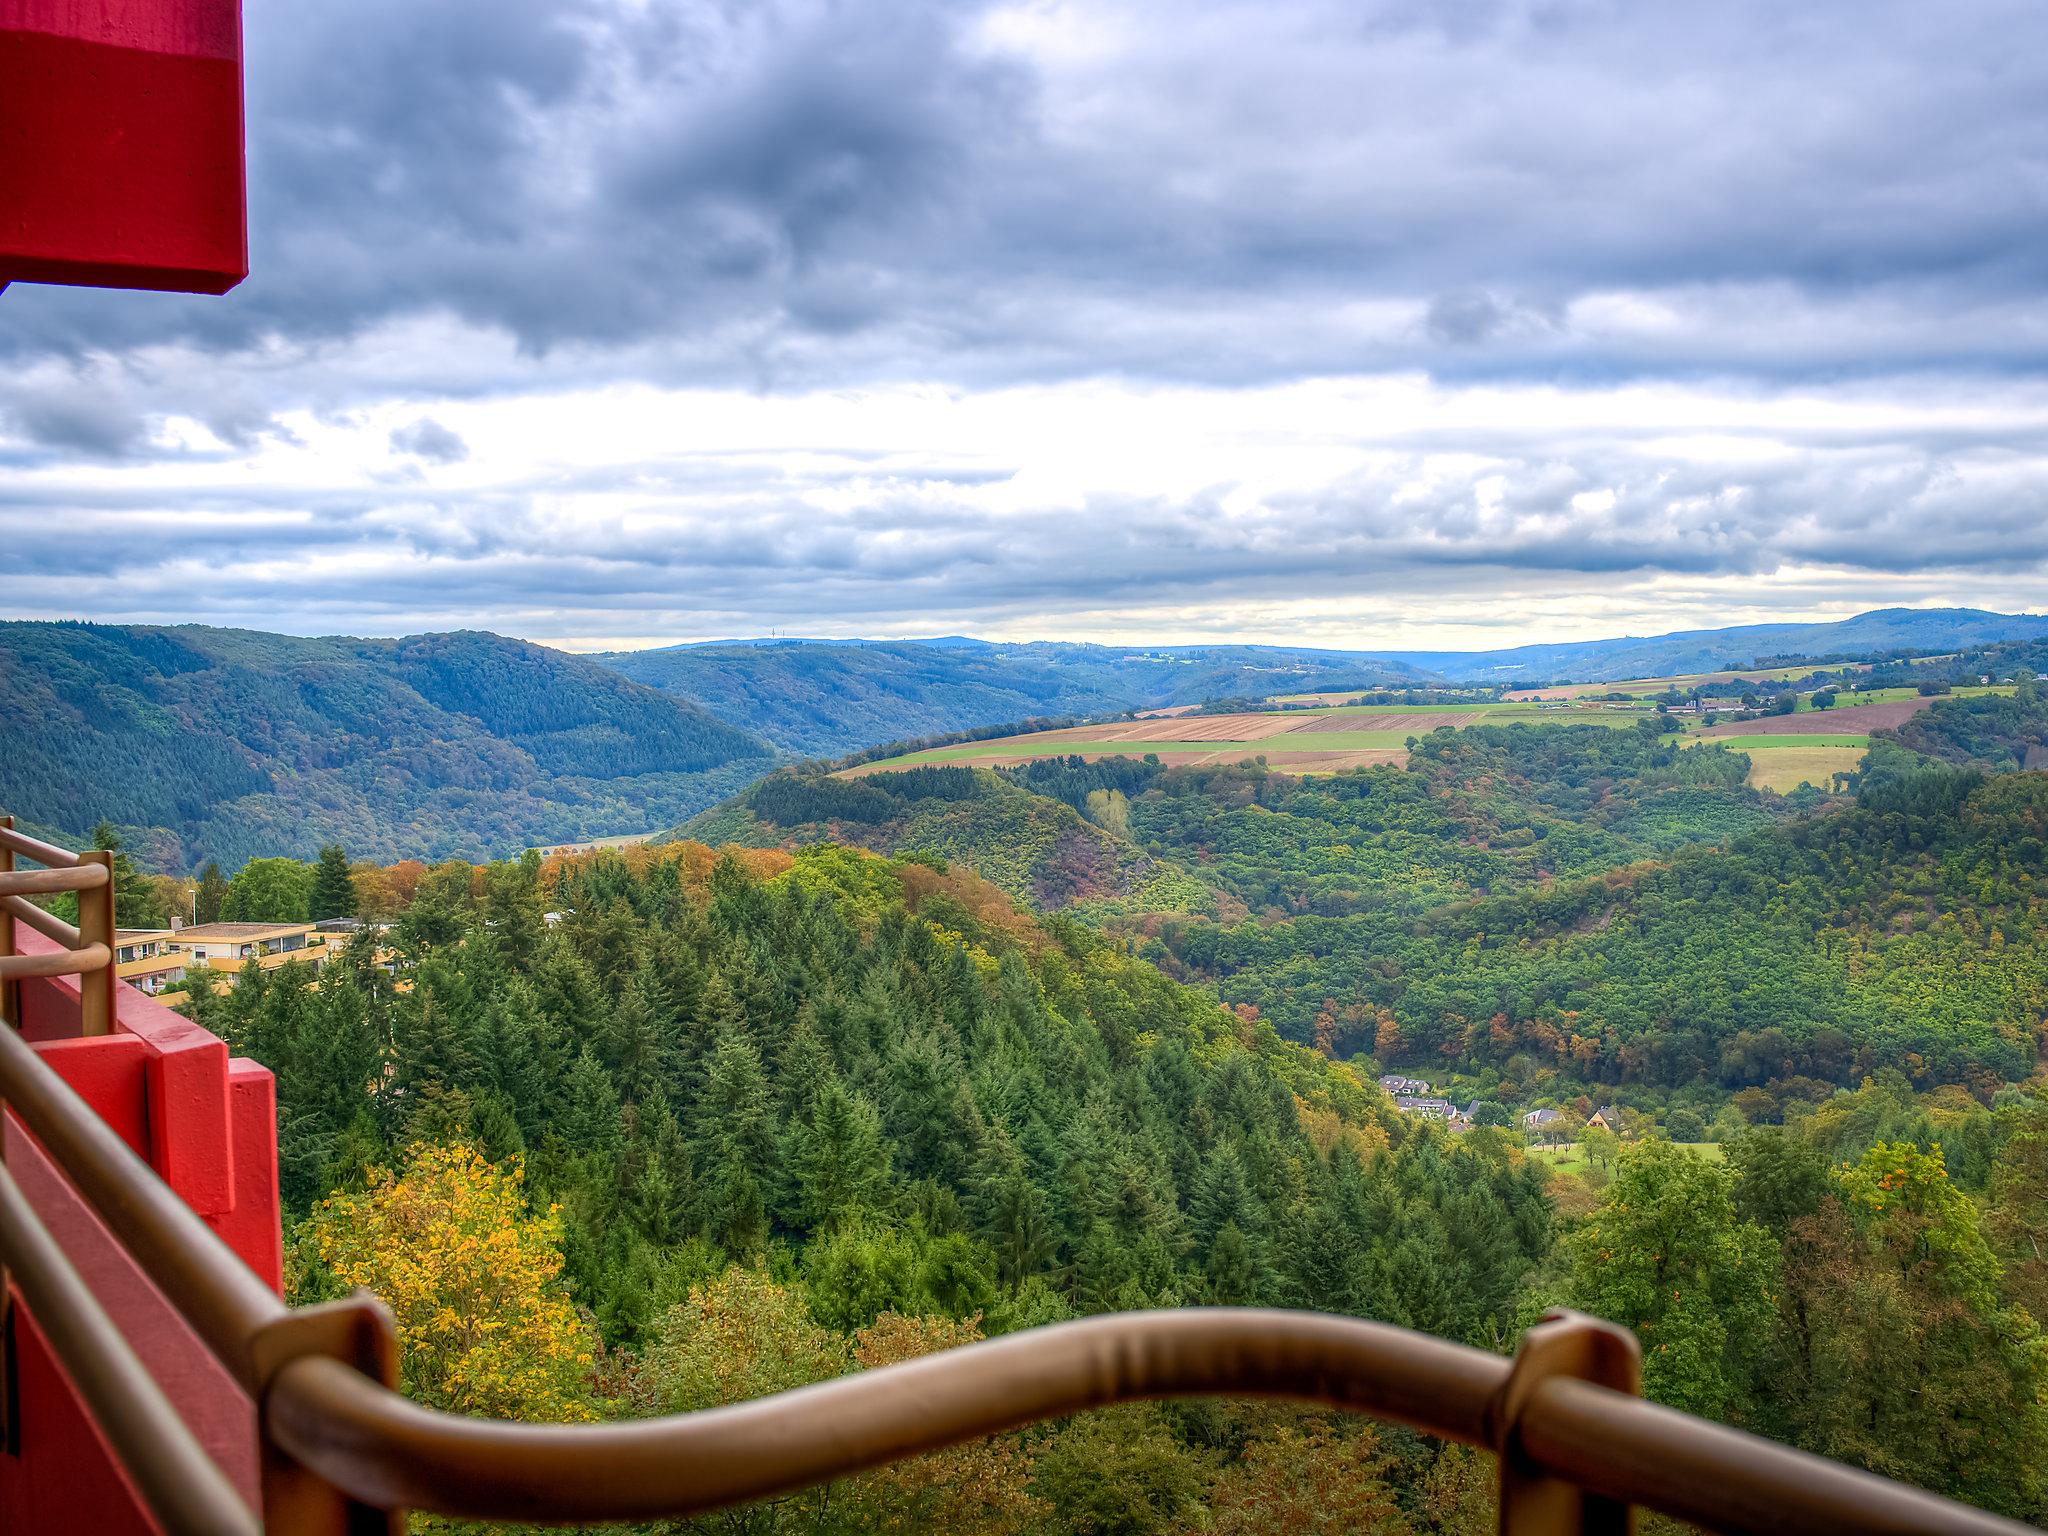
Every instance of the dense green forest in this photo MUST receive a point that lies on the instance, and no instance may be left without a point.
(228, 744)
(732, 1123)
(1536, 909)
(1034, 847)
(1993, 732)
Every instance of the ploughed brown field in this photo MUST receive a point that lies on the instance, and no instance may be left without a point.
(1418, 722)
(1203, 728)
(1849, 719)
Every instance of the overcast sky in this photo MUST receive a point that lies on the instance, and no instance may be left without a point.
(609, 322)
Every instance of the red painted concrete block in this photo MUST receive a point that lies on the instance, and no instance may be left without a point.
(110, 1074)
(121, 159)
(208, 1125)
(254, 1227)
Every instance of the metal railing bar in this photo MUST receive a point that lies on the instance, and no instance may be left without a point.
(46, 882)
(178, 1482)
(32, 848)
(378, 1447)
(215, 1292)
(1627, 1448)
(48, 924)
(62, 962)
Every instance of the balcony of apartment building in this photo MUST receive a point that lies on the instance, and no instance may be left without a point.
(230, 946)
(155, 1379)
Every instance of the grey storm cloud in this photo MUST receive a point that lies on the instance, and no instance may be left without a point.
(818, 191)
(428, 439)
(780, 549)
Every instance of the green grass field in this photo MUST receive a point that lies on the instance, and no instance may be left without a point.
(1779, 743)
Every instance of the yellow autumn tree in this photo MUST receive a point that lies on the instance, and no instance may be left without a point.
(473, 1279)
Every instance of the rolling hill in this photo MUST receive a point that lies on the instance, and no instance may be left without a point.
(1877, 633)
(824, 700)
(230, 744)
(1034, 847)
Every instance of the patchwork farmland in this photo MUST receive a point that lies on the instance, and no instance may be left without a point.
(1301, 740)
(1320, 733)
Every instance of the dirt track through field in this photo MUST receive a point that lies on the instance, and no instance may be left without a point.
(1852, 719)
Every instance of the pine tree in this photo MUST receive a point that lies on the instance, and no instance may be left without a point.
(436, 1025)
(632, 1046)
(839, 1162)
(136, 903)
(334, 890)
(212, 895)
(734, 1146)
(590, 1120)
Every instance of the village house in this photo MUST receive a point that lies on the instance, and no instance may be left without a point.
(1428, 1108)
(1608, 1119)
(1397, 1085)
(1536, 1119)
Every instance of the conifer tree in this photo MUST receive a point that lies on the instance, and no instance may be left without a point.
(334, 891)
(734, 1145)
(590, 1119)
(136, 902)
(839, 1163)
(212, 895)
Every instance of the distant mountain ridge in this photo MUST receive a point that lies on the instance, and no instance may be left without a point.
(231, 744)
(1701, 650)
(827, 698)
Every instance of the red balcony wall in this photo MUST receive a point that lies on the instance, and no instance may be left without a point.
(208, 1124)
(121, 144)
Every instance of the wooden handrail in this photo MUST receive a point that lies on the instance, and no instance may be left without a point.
(87, 950)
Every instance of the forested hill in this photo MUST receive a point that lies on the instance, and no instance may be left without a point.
(1035, 848)
(1880, 632)
(233, 744)
(1530, 907)
(738, 1123)
(1908, 930)
(826, 700)
(1992, 731)
(1479, 811)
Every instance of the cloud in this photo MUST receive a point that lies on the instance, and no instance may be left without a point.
(814, 193)
(955, 314)
(428, 439)
(1360, 508)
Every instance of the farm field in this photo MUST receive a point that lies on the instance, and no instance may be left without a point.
(1324, 740)
(1782, 769)
(1648, 685)
(1843, 719)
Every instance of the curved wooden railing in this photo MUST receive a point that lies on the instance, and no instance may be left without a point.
(85, 951)
(343, 1452)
